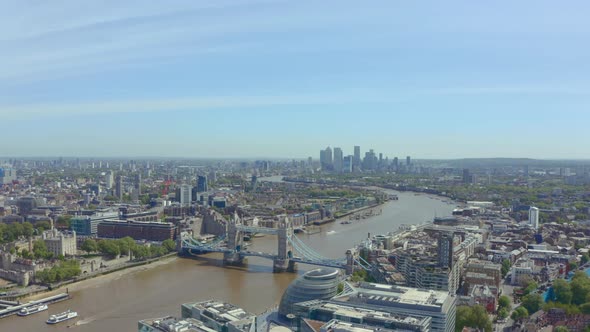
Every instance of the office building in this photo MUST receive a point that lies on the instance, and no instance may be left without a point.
(408, 161)
(370, 160)
(88, 225)
(185, 195)
(395, 163)
(418, 307)
(371, 319)
(534, 217)
(202, 185)
(219, 316)
(138, 230)
(172, 324)
(347, 164)
(7, 175)
(356, 162)
(317, 284)
(338, 160)
(326, 160)
(26, 205)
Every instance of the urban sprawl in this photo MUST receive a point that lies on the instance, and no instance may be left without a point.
(512, 256)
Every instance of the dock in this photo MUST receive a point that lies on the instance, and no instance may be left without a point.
(9, 308)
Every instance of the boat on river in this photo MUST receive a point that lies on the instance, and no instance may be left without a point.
(58, 318)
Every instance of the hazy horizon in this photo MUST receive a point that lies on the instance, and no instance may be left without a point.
(284, 79)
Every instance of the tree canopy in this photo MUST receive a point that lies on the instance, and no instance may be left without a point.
(476, 317)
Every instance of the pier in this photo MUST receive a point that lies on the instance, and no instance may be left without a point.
(10, 308)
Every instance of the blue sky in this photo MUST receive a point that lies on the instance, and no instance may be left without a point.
(438, 79)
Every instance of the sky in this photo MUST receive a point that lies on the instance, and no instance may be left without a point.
(284, 79)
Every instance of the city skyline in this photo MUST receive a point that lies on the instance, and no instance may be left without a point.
(235, 79)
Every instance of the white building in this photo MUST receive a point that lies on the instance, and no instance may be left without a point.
(523, 268)
(534, 217)
(185, 195)
(60, 243)
(110, 179)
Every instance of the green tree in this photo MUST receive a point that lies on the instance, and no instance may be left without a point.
(125, 244)
(585, 308)
(561, 329)
(504, 302)
(109, 248)
(140, 252)
(503, 313)
(580, 286)
(519, 313)
(532, 302)
(169, 244)
(531, 287)
(585, 258)
(573, 266)
(28, 229)
(89, 245)
(40, 250)
(505, 267)
(562, 291)
(476, 317)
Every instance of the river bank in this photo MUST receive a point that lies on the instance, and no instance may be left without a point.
(103, 277)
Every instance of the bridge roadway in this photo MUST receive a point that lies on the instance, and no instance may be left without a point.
(291, 249)
(190, 244)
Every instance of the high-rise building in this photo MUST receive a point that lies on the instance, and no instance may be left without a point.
(338, 159)
(138, 184)
(370, 160)
(357, 156)
(445, 250)
(202, 184)
(326, 159)
(7, 175)
(408, 161)
(119, 187)
(534, 217)
(185, 195)
(466, 176)
(347, 163)
(395, 163)
(110, 179)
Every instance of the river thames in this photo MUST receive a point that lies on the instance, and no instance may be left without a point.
(116, 303)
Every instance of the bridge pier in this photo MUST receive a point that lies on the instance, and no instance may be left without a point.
(280, 265)
(292, 266)
(233, 258)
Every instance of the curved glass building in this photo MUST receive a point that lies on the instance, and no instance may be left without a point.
(318, 284)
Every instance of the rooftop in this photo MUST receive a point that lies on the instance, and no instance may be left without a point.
(172, 324)
(398, 294)
(222, 310)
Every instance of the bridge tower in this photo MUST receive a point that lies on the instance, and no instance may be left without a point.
(234, 242)
(349, 261)
(283, 262)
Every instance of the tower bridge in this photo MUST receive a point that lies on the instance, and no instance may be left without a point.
(290, 249)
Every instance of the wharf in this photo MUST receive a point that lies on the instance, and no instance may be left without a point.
(16, 306)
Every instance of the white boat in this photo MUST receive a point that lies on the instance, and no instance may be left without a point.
(32, 309)
(54, 319)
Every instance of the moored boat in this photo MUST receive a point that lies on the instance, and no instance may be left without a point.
(32, 309)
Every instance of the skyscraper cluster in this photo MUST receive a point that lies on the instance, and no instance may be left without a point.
(334, 160)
